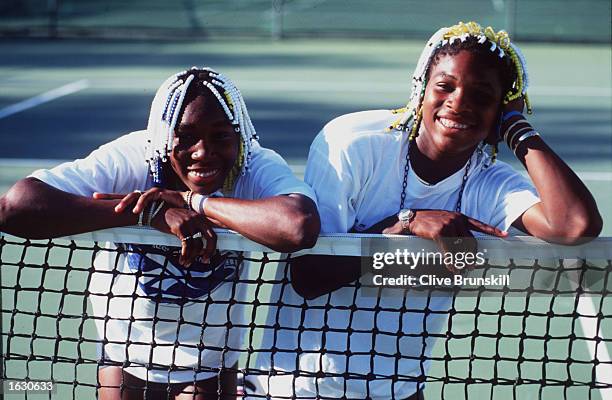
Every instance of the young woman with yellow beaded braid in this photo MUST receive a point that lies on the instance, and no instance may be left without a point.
(427, 170)
(199, 165)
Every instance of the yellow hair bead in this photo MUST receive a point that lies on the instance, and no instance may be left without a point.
(527, 104)
(230, 179)
(229, 100)
(414, 132)
(494, 154)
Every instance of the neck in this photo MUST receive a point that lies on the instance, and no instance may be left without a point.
(432, 166)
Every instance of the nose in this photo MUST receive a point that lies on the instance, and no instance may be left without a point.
(460, 101)
(199, 150)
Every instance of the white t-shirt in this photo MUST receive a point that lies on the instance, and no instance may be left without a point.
(120, 167)
(356, 169)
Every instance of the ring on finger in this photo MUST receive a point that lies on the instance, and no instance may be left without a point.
(194, 236)
(458, 241)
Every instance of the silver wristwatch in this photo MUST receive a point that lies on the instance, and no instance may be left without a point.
(405, 216)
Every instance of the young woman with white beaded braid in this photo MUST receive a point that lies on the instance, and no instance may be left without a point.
(197, 165)
(430, 173)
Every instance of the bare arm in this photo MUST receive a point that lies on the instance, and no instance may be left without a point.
(35, 210)
(282, 223)
(567, 213)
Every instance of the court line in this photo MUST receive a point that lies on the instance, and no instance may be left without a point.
(591, 328)
(42, 98)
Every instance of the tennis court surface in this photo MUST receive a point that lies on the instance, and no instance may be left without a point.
(62, 99)
(540, 337)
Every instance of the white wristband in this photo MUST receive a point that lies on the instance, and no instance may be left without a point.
(198, 199)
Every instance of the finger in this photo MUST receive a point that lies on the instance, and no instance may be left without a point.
(466, 246)
(443, 245)
(127, 200)
(475, 225)
(451, 242)
(465, 241)
(194, 247)
(395, 229)
(144, 200)
(184, 251)
(188, 243)
(211, 243)
(108, 196)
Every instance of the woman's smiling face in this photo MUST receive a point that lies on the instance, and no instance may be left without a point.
(205, 146)
(461, 105)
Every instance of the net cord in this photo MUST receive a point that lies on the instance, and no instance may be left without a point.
(363, 244)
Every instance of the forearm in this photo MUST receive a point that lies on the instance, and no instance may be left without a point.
(567, 206)
(283, 223)
(35, 210)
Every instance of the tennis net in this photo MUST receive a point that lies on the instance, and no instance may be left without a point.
(74, 306)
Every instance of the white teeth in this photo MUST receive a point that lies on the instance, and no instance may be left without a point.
(452, 124)
(205, 174)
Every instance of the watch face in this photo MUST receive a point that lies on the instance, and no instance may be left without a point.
(405, 214)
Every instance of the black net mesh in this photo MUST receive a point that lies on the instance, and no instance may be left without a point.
(73, 312)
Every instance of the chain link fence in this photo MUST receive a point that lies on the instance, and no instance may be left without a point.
(525, 20)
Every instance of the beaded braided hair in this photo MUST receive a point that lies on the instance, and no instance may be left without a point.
(167, 108)
(449, 41)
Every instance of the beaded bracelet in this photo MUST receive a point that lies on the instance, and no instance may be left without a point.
(151, 207)
(188, 200)
(153, 213)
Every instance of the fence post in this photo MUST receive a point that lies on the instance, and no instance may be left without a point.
(53, 10)
(277, 19)
(511, 18)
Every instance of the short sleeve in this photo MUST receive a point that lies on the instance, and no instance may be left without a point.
(329, 172)
(116, 167)
(509, 193)
(269, 175)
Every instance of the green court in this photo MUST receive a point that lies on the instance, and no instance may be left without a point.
(62, 99)
(101, 90)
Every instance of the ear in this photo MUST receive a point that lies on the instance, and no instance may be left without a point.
(495, 136)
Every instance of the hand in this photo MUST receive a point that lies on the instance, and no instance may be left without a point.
(184, 224)
(450, 230)
(141, 200)
(514, 105)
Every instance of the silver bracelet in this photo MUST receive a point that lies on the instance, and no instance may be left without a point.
(518, 132)
(507, 131)
(523, 137)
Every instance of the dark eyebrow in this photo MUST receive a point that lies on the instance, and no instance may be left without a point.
(445, 75)
(481, 83)
(185, 127)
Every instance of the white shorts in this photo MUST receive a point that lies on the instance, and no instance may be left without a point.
(148, 335)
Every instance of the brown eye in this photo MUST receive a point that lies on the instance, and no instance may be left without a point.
(224, 136)
(185, 139)
(445, 87)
